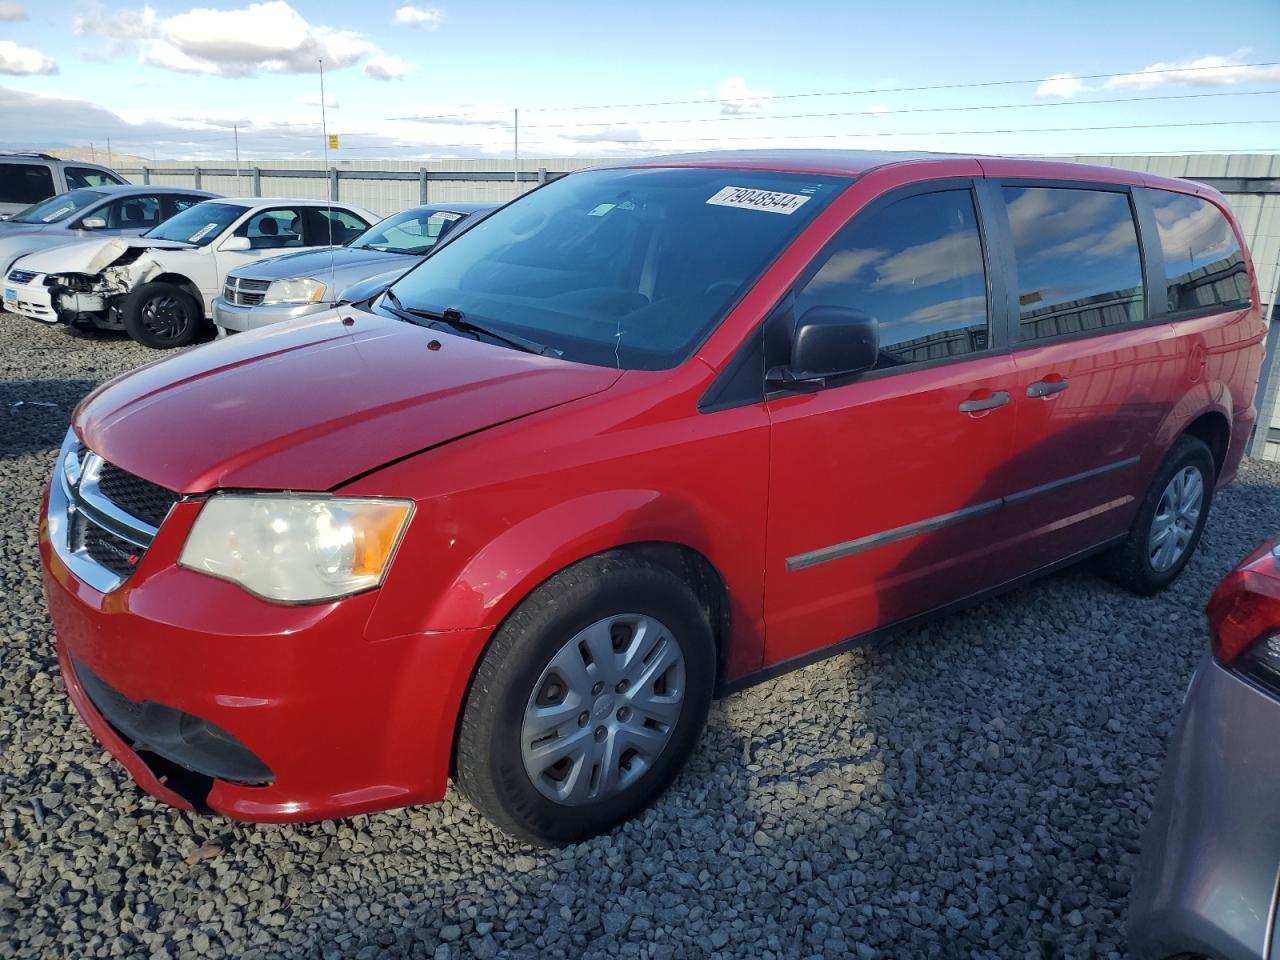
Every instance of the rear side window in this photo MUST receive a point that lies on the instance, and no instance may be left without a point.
(916, 266)
(1078, 263)
(79, 177)
(25, 182)
(1204, 264)
(331, 226)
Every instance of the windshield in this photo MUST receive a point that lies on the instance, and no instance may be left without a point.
(620, 268)
(413, 232)
(200, 224)
(57, 208)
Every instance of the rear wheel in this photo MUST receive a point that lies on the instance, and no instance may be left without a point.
(162, 316)
(1169, 523)
(588, 701)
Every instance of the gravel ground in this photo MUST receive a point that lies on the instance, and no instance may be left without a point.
(975, 788)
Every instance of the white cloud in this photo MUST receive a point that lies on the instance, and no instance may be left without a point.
(271, 37)
(24, 61)
(1064, 85)
(877, 109)
(736, 98)
(313, 100)
(1208, 71)
(11, 10)
(421, 18)
(388, 67)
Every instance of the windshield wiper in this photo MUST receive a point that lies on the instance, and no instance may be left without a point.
(454, 318)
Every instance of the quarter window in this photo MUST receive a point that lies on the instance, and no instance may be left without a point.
(1078, 263)
(916, 266)
(140, 212)
(1202, 259)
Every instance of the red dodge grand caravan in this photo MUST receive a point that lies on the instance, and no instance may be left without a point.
(649, 434)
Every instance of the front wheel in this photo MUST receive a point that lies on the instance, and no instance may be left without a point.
(1170, 521)
(162, 316)
(588, 700)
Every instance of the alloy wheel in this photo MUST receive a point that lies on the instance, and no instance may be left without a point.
(1175, 520)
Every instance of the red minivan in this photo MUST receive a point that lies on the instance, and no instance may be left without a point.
(650, 434)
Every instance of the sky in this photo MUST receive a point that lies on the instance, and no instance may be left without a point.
(410, 80)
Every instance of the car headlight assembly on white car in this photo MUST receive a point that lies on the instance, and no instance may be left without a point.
(299, 290)
(296, 549)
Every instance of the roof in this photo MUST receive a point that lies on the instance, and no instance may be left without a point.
(127, 188)
(855, 163)
(276, 201)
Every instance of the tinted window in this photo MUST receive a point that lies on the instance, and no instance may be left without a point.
(177, 203)
(329, 226)
(89, 177)
(916, 266)
(1078, 262)
(25, 182)
(200, 224)
(1202, 260)
(624, 268)
(58, 208)
(277, 229)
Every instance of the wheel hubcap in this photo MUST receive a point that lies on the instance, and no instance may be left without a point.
(164, 317)
(603, 709)
(1176, 518)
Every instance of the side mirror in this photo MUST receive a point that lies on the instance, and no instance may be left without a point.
(236, 244)
(828, 342)
(93, 223)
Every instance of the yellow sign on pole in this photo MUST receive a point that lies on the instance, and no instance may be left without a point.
(333, 141)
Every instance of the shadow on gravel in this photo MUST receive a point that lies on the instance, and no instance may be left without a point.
(34, 414)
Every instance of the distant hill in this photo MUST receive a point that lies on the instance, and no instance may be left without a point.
(95, 154)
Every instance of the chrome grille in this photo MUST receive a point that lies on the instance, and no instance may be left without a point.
(22, 277)
(102, 519)
(243, 292)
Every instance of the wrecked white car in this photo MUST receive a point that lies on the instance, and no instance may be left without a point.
(160, 287)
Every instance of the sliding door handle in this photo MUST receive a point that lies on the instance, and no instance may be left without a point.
(1047, 388)
(997, 399)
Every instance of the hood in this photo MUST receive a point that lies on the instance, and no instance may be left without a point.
(91, 256)
(11, 228)
(338, 267)
(309, 405)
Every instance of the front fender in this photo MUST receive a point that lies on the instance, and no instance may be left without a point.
(511, 565)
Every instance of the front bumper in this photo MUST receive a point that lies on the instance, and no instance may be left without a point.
(32, 300)
(345, 723)
(230, 316)
(1211, 855)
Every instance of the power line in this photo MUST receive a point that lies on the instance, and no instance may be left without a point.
(848, 93)
(944, 133)
(885, 112)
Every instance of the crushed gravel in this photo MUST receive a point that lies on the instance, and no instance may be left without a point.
(974, 788)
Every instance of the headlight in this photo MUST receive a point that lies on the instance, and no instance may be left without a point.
(304, 290)
(296, 549)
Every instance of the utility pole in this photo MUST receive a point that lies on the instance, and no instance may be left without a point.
(93, 154)
(515, 150)
(235, 129)
(108, 151)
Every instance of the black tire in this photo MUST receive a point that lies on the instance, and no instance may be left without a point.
(162, 316)
(491, 772)
(1129, 564)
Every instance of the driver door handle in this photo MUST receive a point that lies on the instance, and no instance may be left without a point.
(1047, 388)
(997, 399)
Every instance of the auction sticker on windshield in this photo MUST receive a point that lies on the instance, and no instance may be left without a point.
(202, 232)
(768, 200)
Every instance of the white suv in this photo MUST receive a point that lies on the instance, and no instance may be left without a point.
(160, 287)
(27, 178)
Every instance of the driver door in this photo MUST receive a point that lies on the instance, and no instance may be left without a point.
(885, 490)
